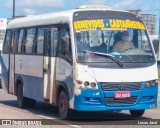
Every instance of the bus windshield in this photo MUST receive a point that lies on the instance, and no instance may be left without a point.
(118, 37)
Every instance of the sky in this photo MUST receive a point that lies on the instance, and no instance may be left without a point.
(33, 7)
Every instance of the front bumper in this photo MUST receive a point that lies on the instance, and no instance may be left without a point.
(94, 100)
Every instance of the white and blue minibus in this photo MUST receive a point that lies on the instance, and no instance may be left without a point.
(90, 58)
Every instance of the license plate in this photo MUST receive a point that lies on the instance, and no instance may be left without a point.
(122, 95)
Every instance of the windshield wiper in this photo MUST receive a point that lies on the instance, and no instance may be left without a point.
(119, 62)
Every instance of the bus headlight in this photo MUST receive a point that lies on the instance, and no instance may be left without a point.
(93, 85)
(86, 83)
(151, 83)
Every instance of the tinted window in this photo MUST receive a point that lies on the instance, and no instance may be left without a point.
(54, 40)
(7, 42)
(48, 41)
(20, 41)
(16, 36)
(40, 41)
(14, 41)
(29, 40)
(64, 49)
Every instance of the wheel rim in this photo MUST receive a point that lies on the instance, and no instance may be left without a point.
(63, 104)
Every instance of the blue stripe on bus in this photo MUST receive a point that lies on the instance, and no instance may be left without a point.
(93, 100)
(33, 86)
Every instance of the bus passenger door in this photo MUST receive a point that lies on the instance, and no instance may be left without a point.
(49, 64)
(46, 70)
(12, 62)
(53, 51)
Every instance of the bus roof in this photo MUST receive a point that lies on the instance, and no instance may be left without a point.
(50, 18)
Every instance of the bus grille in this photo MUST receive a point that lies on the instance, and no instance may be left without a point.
(121, 86)
(112, 100)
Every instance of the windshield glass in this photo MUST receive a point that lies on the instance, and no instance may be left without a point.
(125, 39)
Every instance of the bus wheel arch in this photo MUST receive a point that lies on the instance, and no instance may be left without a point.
(63, 102)
(21, 100)
(18, 82)
(137, 113)
(59, 87)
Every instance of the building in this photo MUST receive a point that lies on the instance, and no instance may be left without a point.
(150, 21)
(3, 26)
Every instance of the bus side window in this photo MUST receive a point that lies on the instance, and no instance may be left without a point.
(64, 48)
(6, 46)
(13, 41)
(16, 36)
(40, 41)
(30, 38)
(20, 46)
(54, 40)
(47, 40)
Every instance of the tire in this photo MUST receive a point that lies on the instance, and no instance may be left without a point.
(63, 105)
(137, 113)
(21, 101)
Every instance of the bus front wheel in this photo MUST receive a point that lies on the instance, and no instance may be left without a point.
(63, 106)
(137, 113)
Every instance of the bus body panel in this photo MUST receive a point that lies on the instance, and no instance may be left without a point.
(64, 73)
(95, 100)
(30, 69)
(87, 99)
(126, 75)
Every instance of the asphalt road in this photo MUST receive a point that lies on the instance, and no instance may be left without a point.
(9, 110)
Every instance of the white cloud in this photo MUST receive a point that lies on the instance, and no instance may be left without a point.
(95, 2)
(125, 4)
(36, 3)
(29, 11)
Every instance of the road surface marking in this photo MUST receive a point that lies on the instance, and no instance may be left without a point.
(59, 121)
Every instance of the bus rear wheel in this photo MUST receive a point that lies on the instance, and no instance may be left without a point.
(63, 106)
(24, 101)
(137, 113)
(21, 101)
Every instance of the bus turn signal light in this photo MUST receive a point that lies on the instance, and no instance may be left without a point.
(79, 82)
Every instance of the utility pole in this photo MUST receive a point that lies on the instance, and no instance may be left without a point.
(13, 16)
